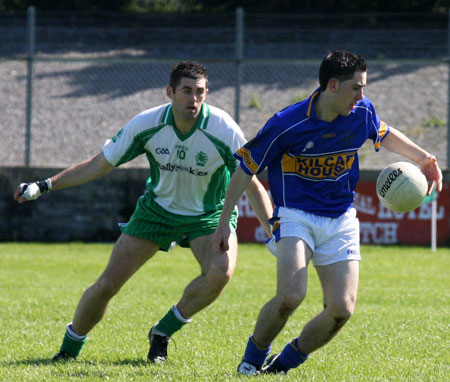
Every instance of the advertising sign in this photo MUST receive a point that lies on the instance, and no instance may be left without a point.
(378, 225)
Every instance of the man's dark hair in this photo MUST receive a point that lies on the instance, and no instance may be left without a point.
(187, 69)
(341, 65)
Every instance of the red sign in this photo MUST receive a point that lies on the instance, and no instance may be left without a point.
(249, 229)
(378, 225)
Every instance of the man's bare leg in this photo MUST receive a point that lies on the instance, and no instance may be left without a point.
(128, 255)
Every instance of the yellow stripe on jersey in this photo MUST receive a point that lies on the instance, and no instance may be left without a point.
(275, 226)
(330, 166)
(308, 113)
(381, 133)
(245, 155)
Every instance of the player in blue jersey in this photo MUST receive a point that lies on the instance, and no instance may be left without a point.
(189, 146)
(311, 152)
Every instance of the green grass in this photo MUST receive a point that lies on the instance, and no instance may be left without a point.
(255, 103)
(399, 332)
(435, 123)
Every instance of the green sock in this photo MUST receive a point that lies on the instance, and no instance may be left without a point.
(169, 324)
(71, 345)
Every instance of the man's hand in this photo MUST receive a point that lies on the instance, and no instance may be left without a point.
(31, 191)
(220, 239)
(432, 172)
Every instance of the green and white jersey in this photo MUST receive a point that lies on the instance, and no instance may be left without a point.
(188, 174)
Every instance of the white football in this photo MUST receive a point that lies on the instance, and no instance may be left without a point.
(401, 187)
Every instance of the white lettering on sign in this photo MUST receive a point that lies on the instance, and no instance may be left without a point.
(364, 203)
(425, 212)
(422, 213)
(384, 213)
(378, 233)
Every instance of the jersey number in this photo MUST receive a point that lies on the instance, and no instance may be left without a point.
(181, 154)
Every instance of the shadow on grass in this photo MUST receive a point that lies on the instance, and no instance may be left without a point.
(130, 368)
(48, 361)
(27, 362)
(131, 362)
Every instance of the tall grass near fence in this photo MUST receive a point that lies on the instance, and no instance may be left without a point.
(399, 332)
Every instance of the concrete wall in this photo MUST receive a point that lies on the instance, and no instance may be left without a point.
(86, 213)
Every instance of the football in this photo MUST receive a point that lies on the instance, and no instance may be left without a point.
(401, 187)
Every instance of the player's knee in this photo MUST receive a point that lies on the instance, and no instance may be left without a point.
(106, 288)
(218, 278)
(219, 274)
(288, 304)
(291, 297)
(341, 311)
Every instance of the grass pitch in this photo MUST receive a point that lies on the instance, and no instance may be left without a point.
(400, 330)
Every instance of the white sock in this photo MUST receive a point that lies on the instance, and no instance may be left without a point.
(72, 334)
(179, 316)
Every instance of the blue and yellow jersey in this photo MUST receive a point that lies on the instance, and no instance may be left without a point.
(312, 164)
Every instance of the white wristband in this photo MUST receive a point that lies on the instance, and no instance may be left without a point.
(49, 183)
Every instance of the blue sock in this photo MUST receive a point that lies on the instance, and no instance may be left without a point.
(291, 356)
(255, 354)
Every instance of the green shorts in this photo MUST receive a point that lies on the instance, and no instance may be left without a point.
(151, 221)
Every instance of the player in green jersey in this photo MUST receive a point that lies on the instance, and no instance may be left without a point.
(190, 147)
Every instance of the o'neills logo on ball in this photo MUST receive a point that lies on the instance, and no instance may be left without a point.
(390, 179)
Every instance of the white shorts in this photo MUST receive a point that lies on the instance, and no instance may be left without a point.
(330, 239)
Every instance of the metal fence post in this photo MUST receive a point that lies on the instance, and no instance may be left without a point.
(31, 13)
(239, 45)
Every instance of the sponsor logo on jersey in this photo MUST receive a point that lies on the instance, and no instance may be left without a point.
(382, 130)
(182, 147)
(247, 158)
(330, 166)
(381, 133)
(201, 158)
(162, 150)
(176, 167)
(117, 136)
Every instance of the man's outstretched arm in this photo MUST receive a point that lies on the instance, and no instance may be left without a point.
(75, 175)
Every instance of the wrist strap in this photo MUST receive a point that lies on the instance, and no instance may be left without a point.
(44, 185)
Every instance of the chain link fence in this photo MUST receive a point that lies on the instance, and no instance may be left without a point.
(91, 75)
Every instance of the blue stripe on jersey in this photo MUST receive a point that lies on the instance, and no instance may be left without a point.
(312, 164)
